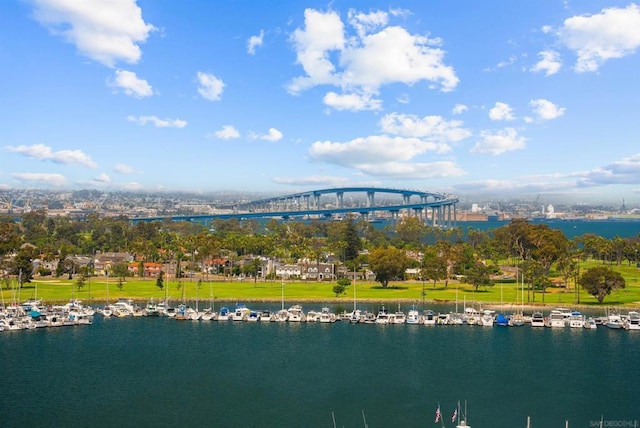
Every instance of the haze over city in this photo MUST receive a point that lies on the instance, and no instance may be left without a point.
(495, 98)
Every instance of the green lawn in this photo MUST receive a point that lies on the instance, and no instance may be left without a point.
(95, 290)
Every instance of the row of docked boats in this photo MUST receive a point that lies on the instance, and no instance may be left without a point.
(32, 314)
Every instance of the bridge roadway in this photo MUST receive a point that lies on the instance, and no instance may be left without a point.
(442, 207)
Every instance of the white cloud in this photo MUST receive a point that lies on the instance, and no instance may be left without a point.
(353, 102)
(103, 178)
(612, 33)
(43, 152)
(227, 132)
(459, 109)
(413, 171)
(365, 23)
(314, 180)
(501, 111)
(549, 64)
(626, 171)
(157, 122)
(368, 58)
(433, 128)
(255, 42)
(210, 86)
(546, 110)
(123, 169)
(4, 186)
(273, 135)
(133, 86)
(107, 31)
(55, 180)
(500, 142)
(377, 149)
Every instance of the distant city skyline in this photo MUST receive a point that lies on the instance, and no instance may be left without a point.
(488, 101)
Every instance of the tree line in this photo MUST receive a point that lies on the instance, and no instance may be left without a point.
(536, 251)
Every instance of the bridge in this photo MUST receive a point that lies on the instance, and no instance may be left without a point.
(436, 209)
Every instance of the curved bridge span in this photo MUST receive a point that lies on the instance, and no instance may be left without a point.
(436, 209)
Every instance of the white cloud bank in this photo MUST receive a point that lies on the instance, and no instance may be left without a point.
(157, 122)
(55, 180)
(43, 152)
(359, 62)
(106, 31)
(595, 39)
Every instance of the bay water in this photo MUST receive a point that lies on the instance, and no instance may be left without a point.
(163, 372)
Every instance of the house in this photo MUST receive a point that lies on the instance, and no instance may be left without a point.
(317, 271)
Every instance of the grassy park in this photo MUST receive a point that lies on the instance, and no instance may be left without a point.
(507, 292)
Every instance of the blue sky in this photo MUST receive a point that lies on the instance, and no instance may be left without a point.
(497, 98)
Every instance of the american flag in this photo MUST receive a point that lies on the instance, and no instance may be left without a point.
(454, 416)
(438, 415)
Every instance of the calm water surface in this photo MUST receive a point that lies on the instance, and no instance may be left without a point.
(161, 372)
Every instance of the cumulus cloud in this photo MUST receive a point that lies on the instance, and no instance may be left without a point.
(377, 149)
(131, 84)
(549, 63)
(459, 109)
(546, 110)
(500, 142)
(314, 180)
(255, 42)
(210, 86)
(362, 60)
(123, 169)
(501, 111)
(55, 180)
(103, 178)
(353, 102)
(228, 132)
(612, 33)
(43, 152)
(414, 171)
(434, 128)
(106, 31)
(273, 135)
(157, 122)
(626, 171)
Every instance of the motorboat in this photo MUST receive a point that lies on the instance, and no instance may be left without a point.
(296, 314)
(383, 316)
(576, 320)
(429, 317)
(633, 321)
(487, 319)
(326, 316)
(241, 312)
(590, 324)
(224, 314)
(265, 316)
(254, 316)
(413, 317)
(537, 319)
(614, 321)
(556, 319)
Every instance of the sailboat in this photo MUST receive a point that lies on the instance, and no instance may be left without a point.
(462, 417)
(355, 316)
(517, 319)
(106, 311)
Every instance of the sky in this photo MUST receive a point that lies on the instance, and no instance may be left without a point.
(496, 98)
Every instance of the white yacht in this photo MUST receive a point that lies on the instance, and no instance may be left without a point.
(313, 316)
(383, 316)
(614, 321)
(537, 319)
(633, 321)
(296, 314)
(556, 319)
(265, 316)
(398, 317)
(590, 324)
(327, 316)
(429, 318)
(281, 316)
(487, 319)
(576, 320)
(413, 317)
(241, 313)
(254, 316)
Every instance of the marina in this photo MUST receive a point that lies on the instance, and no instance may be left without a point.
(305, 373)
